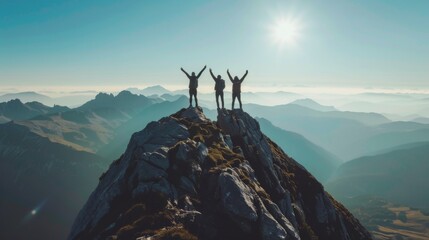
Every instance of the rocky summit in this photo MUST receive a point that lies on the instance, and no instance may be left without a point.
(187, 177)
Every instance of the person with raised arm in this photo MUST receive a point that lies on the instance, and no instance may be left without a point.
(193, 85)
(236, 88)
(219, 87)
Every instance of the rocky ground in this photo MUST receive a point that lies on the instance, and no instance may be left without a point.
(186, 177)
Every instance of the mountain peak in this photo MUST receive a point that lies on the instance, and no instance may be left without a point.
(124, 100)
(103, 95)
(151, 90)
(310, 103)
(188, 176)
(15, 102)
(156, 87)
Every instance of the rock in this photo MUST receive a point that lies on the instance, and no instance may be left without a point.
(280, 218)
(157, 160)
(270, 229)
(193, 114)
(195, 178)
(228, 141)
(237, 200)
(202, 153)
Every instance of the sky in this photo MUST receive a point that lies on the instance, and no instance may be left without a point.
(90, 43)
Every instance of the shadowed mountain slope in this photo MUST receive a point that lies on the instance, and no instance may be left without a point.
(399, 176)
(42, 184)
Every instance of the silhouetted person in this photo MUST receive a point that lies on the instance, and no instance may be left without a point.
(236, 88)
(193, 85)
(219, 86)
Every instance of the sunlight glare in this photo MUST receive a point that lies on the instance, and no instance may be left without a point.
(286, 31)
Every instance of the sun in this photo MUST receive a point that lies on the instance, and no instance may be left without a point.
(286, 31)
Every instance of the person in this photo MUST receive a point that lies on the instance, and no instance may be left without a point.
(236, 88)
(193, 85)
(219, 86)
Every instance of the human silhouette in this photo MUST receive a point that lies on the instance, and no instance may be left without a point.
(219, 86)
(236, 87)
(193, 85)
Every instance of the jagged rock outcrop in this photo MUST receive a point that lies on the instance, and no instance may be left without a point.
(187, 177)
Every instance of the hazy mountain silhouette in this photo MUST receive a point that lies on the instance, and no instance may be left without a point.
(16, 110)
(206, 99)
(149, 91)
(315, 159)
(309, 103)
(346, 134)
(170, 97)
(386, 103)
(71, 99)
(399, 176)
(49, 178)
(26, 97)
(400, 147)
(424, 120)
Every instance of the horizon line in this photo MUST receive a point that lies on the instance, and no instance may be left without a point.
(71, 89)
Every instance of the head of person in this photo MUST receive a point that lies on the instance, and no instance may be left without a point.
(219, 77)
(236, 78)
(193, 74)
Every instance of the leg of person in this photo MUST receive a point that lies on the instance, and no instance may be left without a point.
(221, 98)
(233, 100)
(195, 97)
(217, 99)
(190, 98)
(239, 100)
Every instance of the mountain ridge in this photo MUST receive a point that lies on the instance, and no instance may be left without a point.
(189, 177)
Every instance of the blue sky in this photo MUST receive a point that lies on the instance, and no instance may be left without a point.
(365, 43)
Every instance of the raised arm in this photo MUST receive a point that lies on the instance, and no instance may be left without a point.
(201, 72)
(183, 70)
(244, 76)
(211, 73)
(229, 75)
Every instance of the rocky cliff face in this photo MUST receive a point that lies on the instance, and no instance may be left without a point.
(186, 177)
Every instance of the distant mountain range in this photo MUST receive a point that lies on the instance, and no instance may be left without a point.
(399, 176)
(346, 134)
(16, 110)
(315, 159)
(88, 127)
(25, 97)
(208, 99)
(309, 103)
(72, 99)
(311, 133)
(149, 91)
